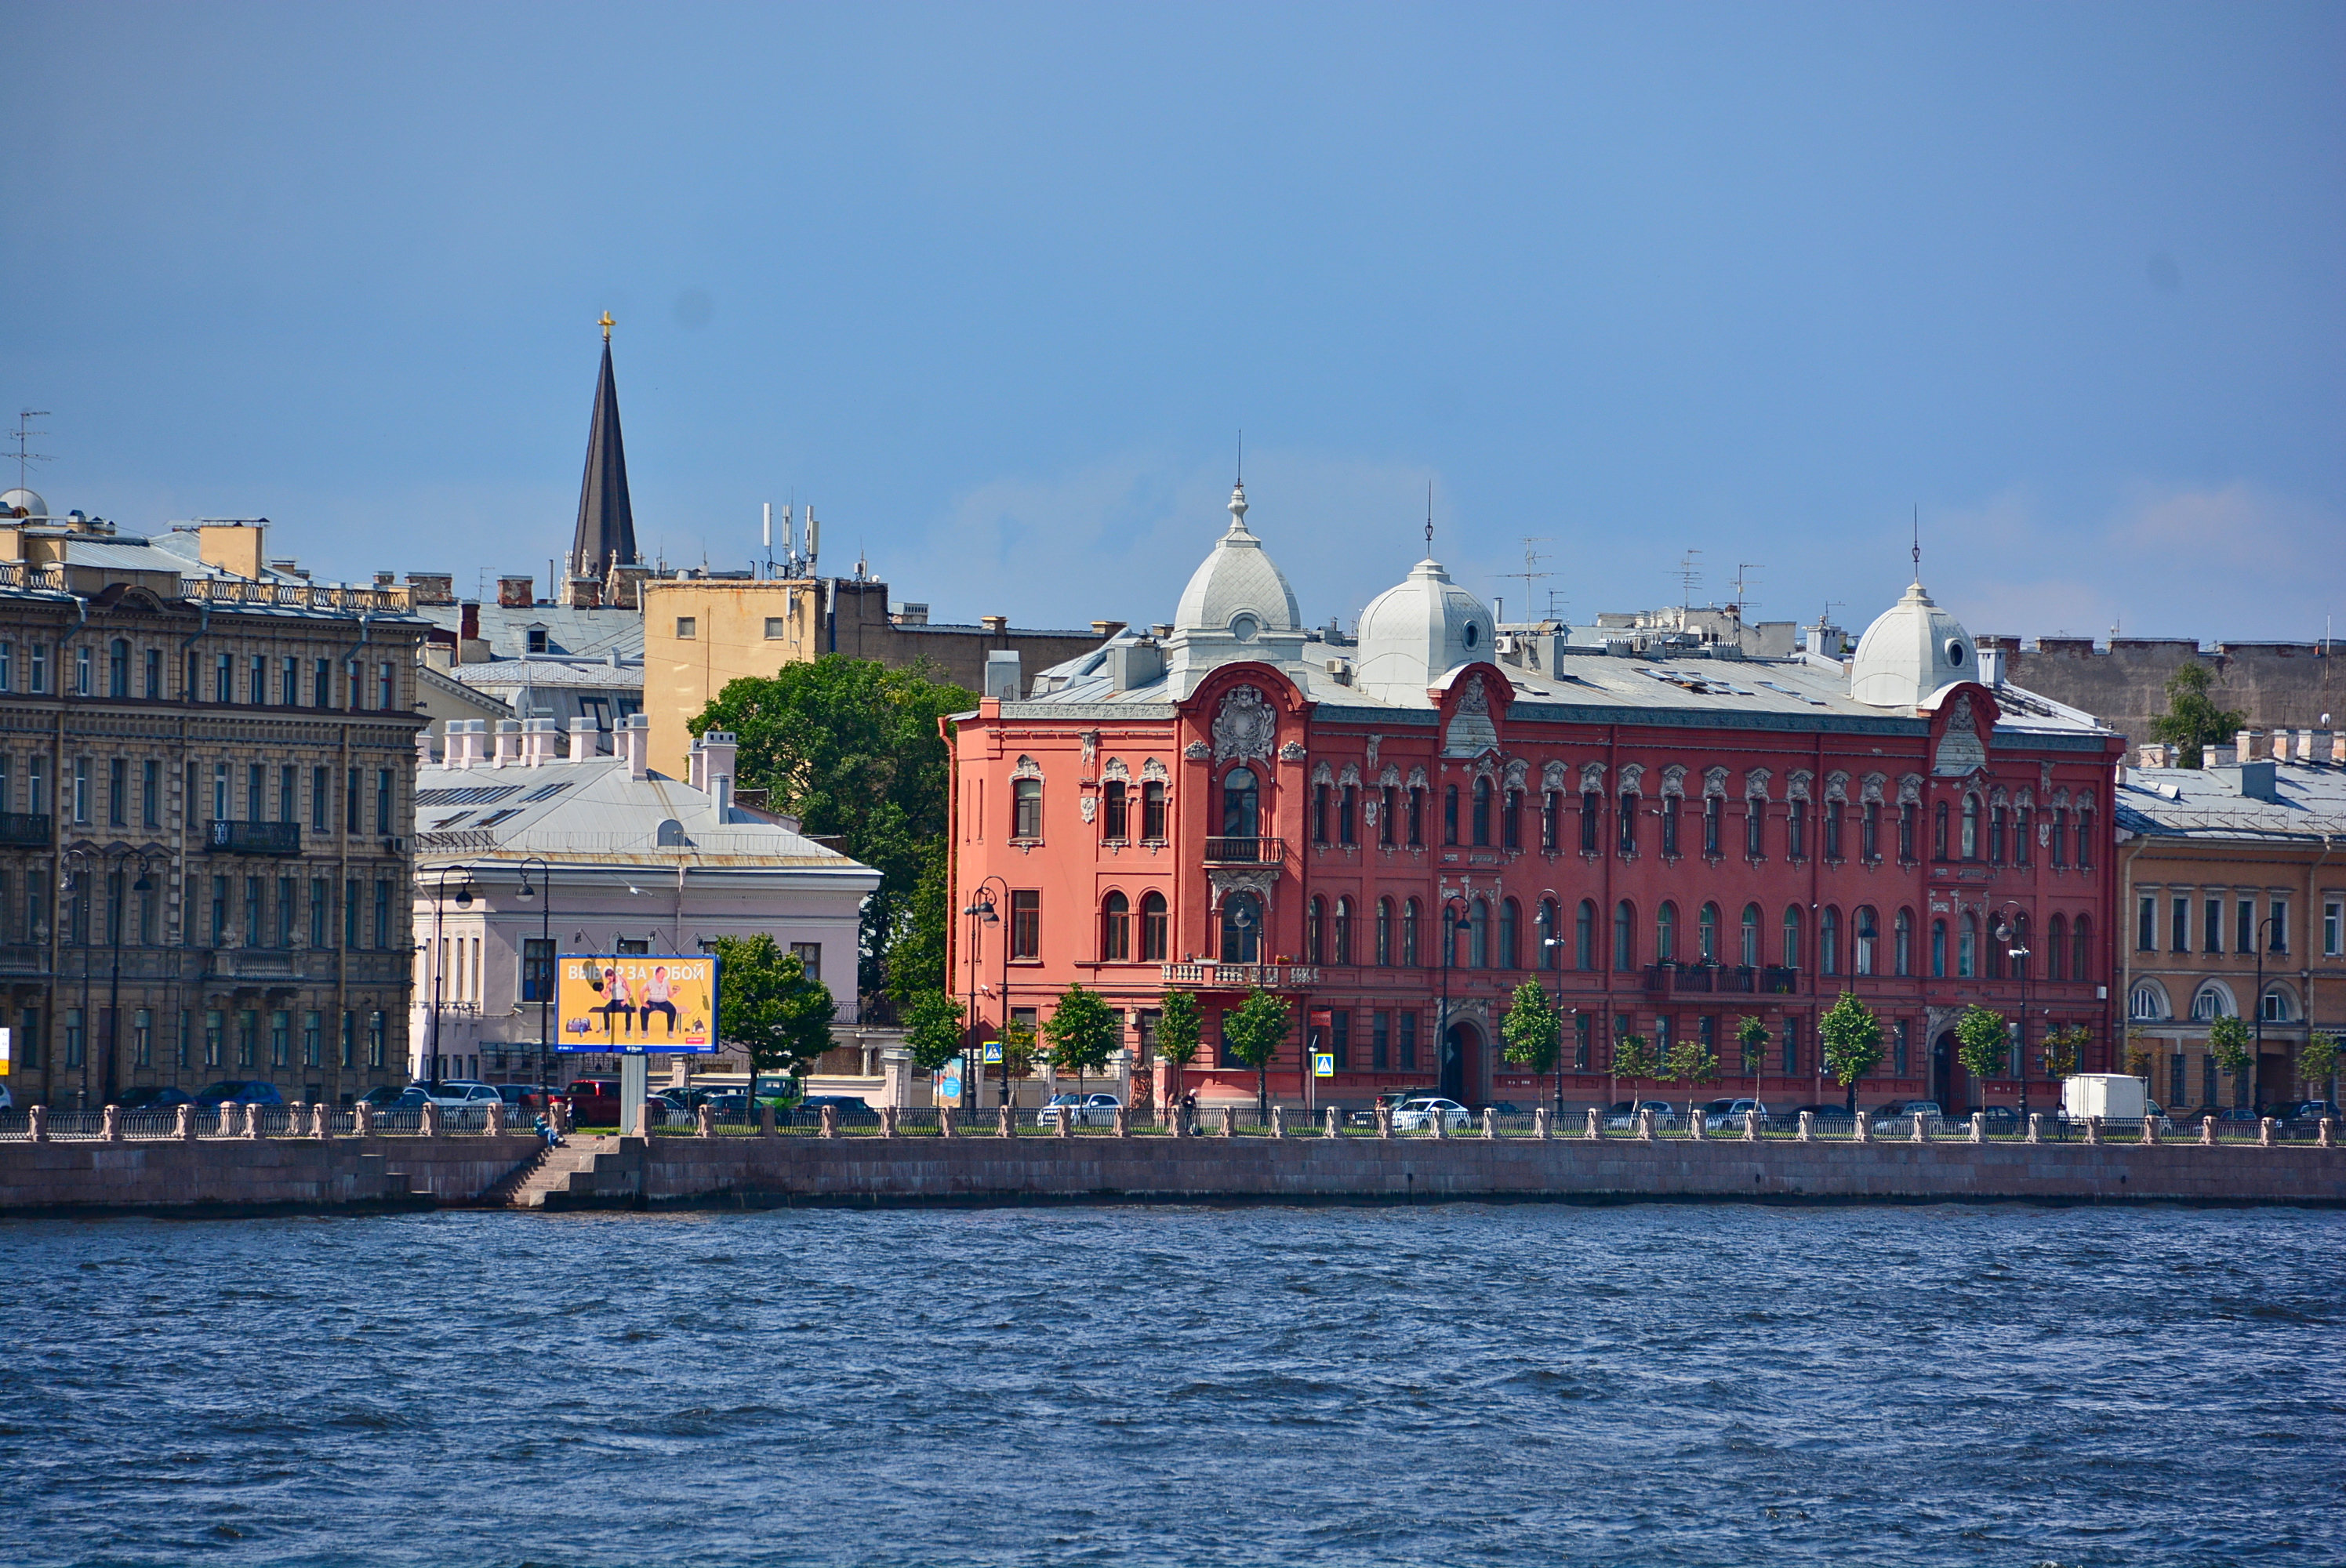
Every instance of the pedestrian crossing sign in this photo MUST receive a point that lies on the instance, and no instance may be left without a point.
(994, 1053)
(1323, 1063)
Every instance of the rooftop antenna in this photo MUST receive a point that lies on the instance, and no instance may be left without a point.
(1743, 570)
(1688, 575)
(1530, 574)
(770, 538)
(1241, 478)
(25, 434)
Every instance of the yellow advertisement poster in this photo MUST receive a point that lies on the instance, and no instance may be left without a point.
(660, 1001)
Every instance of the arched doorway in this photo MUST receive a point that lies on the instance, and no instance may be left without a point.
(1948, 1079)
(1462, 1054)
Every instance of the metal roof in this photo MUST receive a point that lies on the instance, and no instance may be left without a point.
(2206, 803)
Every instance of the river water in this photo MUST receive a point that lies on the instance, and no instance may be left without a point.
(1526, 1384)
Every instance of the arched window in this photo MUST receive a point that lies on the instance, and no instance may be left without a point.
(2085, 838)
(1584, 936)
(1710, 812)
(1343, 930)
(1625, 936)
(2056, 944)
(1511, 833)
(117, 667)
(1905, 943)
(1116, 812)
(1829, 942)
(1384, 933)
(1971, 826)
(2081, 949)
(1241, 928)
(1116, 929)
(2060, 845)
(1152, 812)
(1995, 835)
(1242, 804)
(1939, 833)
(1478, 935)
(1154, 936)
(1481, 813)
(1629, 822)
(1551, 953)
(1792, 936)
(1315, 924)
(1938, 950)
(1510, 917)
(1864, 938)
(1995, 943)
(1707, 932)
(1666, 933)
(1871, 830)
(1450, 813)
(1967, 950)
(1409, 923)
(1670, 804)
(2279, 1005)
(1026, 808)
(2147, 1001)
(1750, 958)
(2213, 1002)
(1755, 828)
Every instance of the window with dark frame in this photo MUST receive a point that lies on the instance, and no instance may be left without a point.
(1026, 922)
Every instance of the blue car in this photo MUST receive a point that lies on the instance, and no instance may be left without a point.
(239, 1092)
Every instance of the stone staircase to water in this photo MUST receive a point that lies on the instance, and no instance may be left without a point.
(553, 1175)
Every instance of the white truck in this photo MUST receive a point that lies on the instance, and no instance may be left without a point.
(2115, 1097)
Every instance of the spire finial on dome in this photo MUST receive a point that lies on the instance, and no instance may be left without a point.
(1428, 519)
(1918, 541)
(1238, 506)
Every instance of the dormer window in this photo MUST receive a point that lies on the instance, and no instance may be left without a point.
(1472, 635)
(1955, 652)
(534, 640)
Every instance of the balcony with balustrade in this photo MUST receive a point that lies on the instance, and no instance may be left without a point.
(1241, 976)
(1246, 851)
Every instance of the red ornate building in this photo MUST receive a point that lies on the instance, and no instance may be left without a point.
(1396, 833)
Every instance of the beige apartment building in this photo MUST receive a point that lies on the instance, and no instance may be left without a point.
(206, 795)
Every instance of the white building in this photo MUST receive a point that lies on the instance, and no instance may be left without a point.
(525, 851)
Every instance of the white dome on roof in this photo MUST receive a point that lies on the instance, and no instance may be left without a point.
(1417, 631)
(29, 502)
(1237, 588)
(1911, 650)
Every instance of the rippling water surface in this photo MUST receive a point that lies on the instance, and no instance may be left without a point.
(1461, 1384)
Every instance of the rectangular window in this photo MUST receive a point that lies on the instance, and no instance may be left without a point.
(7, 665)
(312, 1040)
(1348, 812)
(2178, 930)
(142, 1038)
(1791, 1058)
(1408, 1042)
(1906, 831)
(1388, 810)
(1416, 817)
(219, 910)
(1340, 1039)
(809, 957)
(2278, 936)
(81, 790)
(1711, 814)
(151, 794)
(351, 811)
(319, 804)
(2334, 927)
(321, 688)
(350, 1041)
(1898, 1050)
(215, 1033)
(81, 672)
(375, 1034)
(383, 801)
(351, 914)
(687, 628)
(2244, 931)
(1796, 831)
(220, 792)
(287, 794)
(1755, 830)
(255, 933)
(76, 1048)
(117, 792)
(1320, 813)
(2208, 1094)
(1380, 1041)
(381, 913)
(321, 912)
(1670, 806)
(286, 912)
(1116, 812)
(1628, 823)
(1871, 830)
(223, 677)
(2146, 935)
(280, 1039)
(1551, 822)
(1152, 812)
(1582, 1029)
(2178, 1085)
(39, 684)
(536, 969)
(257, 681)
(254, 802)
(1026, 808)
(1833, 813)
(2211, 926)
(386, 683)
(1026, 923)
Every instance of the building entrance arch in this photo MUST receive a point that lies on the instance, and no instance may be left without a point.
(1949, 1082)
(1462, 1061)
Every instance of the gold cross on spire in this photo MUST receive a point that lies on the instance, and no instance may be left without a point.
(607, 324)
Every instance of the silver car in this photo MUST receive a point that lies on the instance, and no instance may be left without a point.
(1087, 1110)
(1417, 1115)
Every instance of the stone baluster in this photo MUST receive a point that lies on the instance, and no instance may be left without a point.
(1490, 1123)
(562, 1122)
(1384, 1121)
(1979, 1127)
(1861, 1131)
(321, 1120)
(2035, 1126)
(362, 1119)
(1595, 1124)
(109, 1122)
(1124, 1121)
(2150, 1128)
(766, 1122)
(252, 1121)
(1334, 1122)
(1229, 1122)
(297, 1116)
(494, 1126)
(1750, 1126)
(2208, 1132)
(1005, 1122)
(231, 1113)
(1542, 1126)
(2264, 1132)
(2328, 1134)
(1278, 1121)
(1066, 1126)
(1698, 1124)
(1437, 1121)
(1646, 1120)
(429, 1121)
(2093, 1129)
(1921, 1128)
(704, 1120)
(829, 1122)
(1808, 1126)
(37, 1124)
(183, 1125)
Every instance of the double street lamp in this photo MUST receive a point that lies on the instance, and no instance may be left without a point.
(439, 898)
(547, 979)
(2010, 929)
(981, 912)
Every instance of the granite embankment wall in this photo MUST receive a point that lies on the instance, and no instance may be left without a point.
(256, 1174)
(247, 1175)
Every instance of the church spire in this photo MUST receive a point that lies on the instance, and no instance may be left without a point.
(606, 521)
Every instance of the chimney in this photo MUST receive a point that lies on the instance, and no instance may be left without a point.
(1107, 629)
(1991, 667)
(516, 592)
(464, 748)
(713, 761)
(236, 547)
(2319, 746)
(509, 743)
(424, 747)
(633, 742)
(2255, 745)
(540, 742)
(431, 588)
(586, 740)
(1002, 673)
(994, 625)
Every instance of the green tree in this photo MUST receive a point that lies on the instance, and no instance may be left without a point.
(2064, 1049)
(852, 749)
(2316, 1061)
(2137, 1056)
(1689, 1062)
(1751, 1035)
(769, 1004)
(1017, 1049)
(1531, 1029)
(1083, 1032)
(1177, 1039)
(917, 962)
(1983, 1043)
(1255, 1030)
(933, 1030)
(2192, 719)
(2229, 1042)
(1633, 1058)
(1852, 1042)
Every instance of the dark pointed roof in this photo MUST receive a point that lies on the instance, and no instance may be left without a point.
(606, 521)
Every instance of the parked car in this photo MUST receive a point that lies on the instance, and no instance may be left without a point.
(451, 1093)
(239, 1092)
(2304, 1116)
(594, 1102)
(1507, 1108)
(1822, 1112)
(853, 1111)
(1728, 1122)
(1390, 1099)
(1623, 1118)
(7, 1100)
(526, 1097)
(1900, 1113)
(1416, 1115)
(1095, 1110)
(728, 1105)
(381, 1096)
(1999, 1120)
(154, 1097)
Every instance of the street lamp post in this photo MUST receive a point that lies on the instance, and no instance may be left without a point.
(75, 884)
(982, 913)
(113, 982)
(463, 902)
(547, 981)
(1450, 924)
(2263, 926)
(2008, 932)
(1550, 946)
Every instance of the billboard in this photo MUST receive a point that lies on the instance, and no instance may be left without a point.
(637, 1002)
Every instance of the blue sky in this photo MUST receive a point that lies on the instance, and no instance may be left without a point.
(995, 286)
